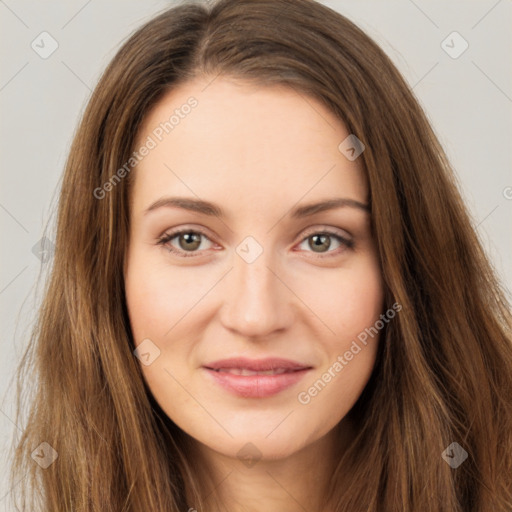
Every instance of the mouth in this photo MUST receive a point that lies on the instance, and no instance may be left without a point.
(245, 372)
(256, 378)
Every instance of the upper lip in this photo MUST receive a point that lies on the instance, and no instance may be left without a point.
(270, 363)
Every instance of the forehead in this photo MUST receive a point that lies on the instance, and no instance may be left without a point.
(234, 143)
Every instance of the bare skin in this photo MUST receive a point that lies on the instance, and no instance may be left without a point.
(258, 154)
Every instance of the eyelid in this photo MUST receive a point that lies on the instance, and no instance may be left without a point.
(326, 229)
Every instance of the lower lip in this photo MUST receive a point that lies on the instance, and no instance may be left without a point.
(257, 386)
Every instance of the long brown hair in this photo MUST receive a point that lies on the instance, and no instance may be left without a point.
(444, 367)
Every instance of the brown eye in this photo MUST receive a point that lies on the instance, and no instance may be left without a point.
(321, 242)
(188, 242)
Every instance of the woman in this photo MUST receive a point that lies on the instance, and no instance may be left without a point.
(266, 293)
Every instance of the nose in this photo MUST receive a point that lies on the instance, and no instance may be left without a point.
(258, 301)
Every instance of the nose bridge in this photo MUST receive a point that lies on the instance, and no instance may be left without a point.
(256, 302)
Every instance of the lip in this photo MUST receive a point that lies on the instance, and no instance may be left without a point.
(257, 385)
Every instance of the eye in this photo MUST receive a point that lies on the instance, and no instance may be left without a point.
(189, 241)
(320, 242)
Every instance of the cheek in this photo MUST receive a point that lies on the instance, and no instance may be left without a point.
(360, 303)
(159, 300)
(158, 295)
(351, 305)
(346, 300)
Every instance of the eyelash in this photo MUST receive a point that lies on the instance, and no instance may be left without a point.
(167, 237)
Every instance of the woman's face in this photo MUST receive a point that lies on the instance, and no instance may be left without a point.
(258, 274)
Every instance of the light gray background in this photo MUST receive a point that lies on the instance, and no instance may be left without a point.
(468, 100)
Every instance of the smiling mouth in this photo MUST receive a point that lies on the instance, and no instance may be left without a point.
(251, 384)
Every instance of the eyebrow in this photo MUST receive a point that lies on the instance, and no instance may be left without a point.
(211, 209)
